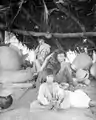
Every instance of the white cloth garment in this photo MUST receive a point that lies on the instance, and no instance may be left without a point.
(43, 47)
(78, 98)
(42, 51)
(47, 94)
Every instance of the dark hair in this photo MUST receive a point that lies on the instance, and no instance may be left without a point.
(44, 74)
(6, 102)
(56, 52)
(48, 71)
(40, 38)
(53, 62)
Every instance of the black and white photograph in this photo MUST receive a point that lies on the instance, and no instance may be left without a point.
(47, 59)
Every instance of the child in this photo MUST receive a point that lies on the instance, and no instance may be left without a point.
(51, 96)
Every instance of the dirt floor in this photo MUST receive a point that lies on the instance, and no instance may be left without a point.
(21, 109)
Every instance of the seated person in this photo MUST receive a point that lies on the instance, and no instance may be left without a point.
(40, 69)
(51, 96)
(42, 50)
(64, 75)
(49, 93)
(62, 69)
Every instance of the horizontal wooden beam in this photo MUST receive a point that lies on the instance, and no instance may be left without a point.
(59, 35)
(74, 35)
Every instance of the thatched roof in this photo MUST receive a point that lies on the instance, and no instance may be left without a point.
(62, 16)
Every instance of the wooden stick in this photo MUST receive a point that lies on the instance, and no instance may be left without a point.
(60, 35)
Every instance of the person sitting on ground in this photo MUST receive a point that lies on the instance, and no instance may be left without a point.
(64, 75)
(42, 50)
(40, 69)
(62, 69)
(49, 93)
(52, 97)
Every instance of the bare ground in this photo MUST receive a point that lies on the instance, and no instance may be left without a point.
(20, 109)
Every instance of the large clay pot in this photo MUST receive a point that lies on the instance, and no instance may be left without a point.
(10, 59)
(81, 74)
(82, 61)
(93, 70)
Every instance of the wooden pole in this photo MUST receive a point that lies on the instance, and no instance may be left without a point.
(59, 35)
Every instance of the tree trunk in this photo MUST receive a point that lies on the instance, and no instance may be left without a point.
(2, 36)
